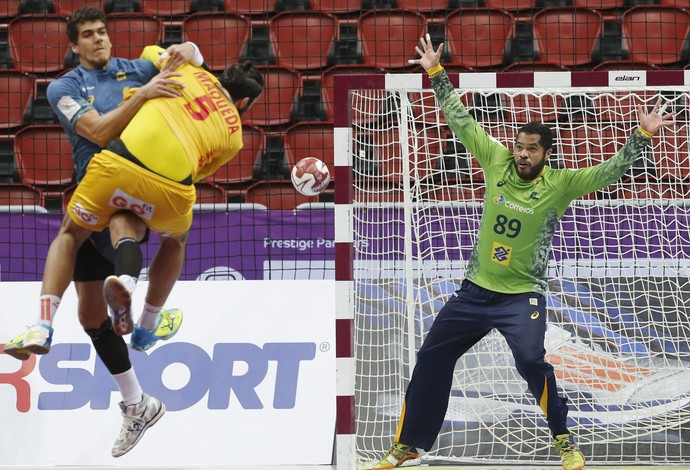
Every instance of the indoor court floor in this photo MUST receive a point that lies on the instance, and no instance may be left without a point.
(332, 467)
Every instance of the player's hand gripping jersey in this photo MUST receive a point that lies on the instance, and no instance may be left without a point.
(81, 90)
(511, 252)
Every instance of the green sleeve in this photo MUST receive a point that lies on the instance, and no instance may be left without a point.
(481, 145)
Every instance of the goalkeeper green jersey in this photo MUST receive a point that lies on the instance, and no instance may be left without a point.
(511, 252)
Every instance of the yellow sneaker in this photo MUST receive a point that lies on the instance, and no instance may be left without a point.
(571, 456)
(36, 339)
(396, 455)
(168, 324)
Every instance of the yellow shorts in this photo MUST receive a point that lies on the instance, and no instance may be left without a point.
(113, 184)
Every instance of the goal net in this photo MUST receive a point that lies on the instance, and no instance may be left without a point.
(619, 272)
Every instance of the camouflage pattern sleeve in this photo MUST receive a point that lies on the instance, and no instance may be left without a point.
(482, 146)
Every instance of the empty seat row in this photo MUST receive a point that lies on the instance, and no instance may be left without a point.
(283, 88)
(281, 195)
(289, 96)
(475, 38)
(286, 99)
(43, 153)
(254, 8)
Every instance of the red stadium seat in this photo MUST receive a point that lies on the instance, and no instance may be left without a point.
(424, 147)
(67, 7)
(378, 191)
(599, 4)
(250, 7)
(336, 6)
(477, 37)
(9, 8)
(165, 7)
(282, 86)
(44, 156)
(220, 36)
(38, 43)
(130, 33)
(208, 193)
(12, 194)
(511, 5)
(423, 6)
(566, 36)
(292, 31)
(624, 65)
(16, 91)
(655, 34)
(310, 139)
(676, 3)
(277, 194)
(529, 108)
(328, 92)
(241, 168)
(534, 67)
(388, 37)
(459, 191)
(67, 196)
(621, 106)
(583, 145)
(672, 154)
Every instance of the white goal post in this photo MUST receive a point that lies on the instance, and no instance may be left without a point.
(408, 199)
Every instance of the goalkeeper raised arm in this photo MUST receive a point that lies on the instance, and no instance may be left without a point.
(506, 274)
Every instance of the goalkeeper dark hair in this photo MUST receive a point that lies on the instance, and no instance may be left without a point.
(544, 131)
(242, 80)
(81, 16)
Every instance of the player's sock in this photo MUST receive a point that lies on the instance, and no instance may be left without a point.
(128, 259)
(129, 387)
(110, 347)
(149, 318)
(49, 306)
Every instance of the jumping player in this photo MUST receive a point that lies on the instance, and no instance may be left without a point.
(87, 102)
(506, 275)
(170, 144)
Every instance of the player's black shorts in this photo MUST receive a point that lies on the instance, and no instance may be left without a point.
(96, 258)
(91, 264)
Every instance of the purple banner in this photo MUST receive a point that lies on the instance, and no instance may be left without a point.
(221, 245)
(299, 244)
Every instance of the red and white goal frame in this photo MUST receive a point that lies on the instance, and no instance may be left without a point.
(668, 188)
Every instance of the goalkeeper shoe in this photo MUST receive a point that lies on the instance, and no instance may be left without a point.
(136, 419)
(119, 300)
(396, 455)
(36, 339)
(571, 456)
(168, 324)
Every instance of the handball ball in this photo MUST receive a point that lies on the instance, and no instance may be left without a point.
(310, 176)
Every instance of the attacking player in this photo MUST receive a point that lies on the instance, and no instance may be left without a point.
(87, 102)
(170, 144)
(506, 275)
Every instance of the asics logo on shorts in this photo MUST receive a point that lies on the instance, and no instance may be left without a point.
(84, 215)
(122, 200)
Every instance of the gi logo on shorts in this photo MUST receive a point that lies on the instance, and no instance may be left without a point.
(500, 253)
(122, 200)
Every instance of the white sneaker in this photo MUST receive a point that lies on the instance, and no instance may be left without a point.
(119, 300)
(136, 419)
